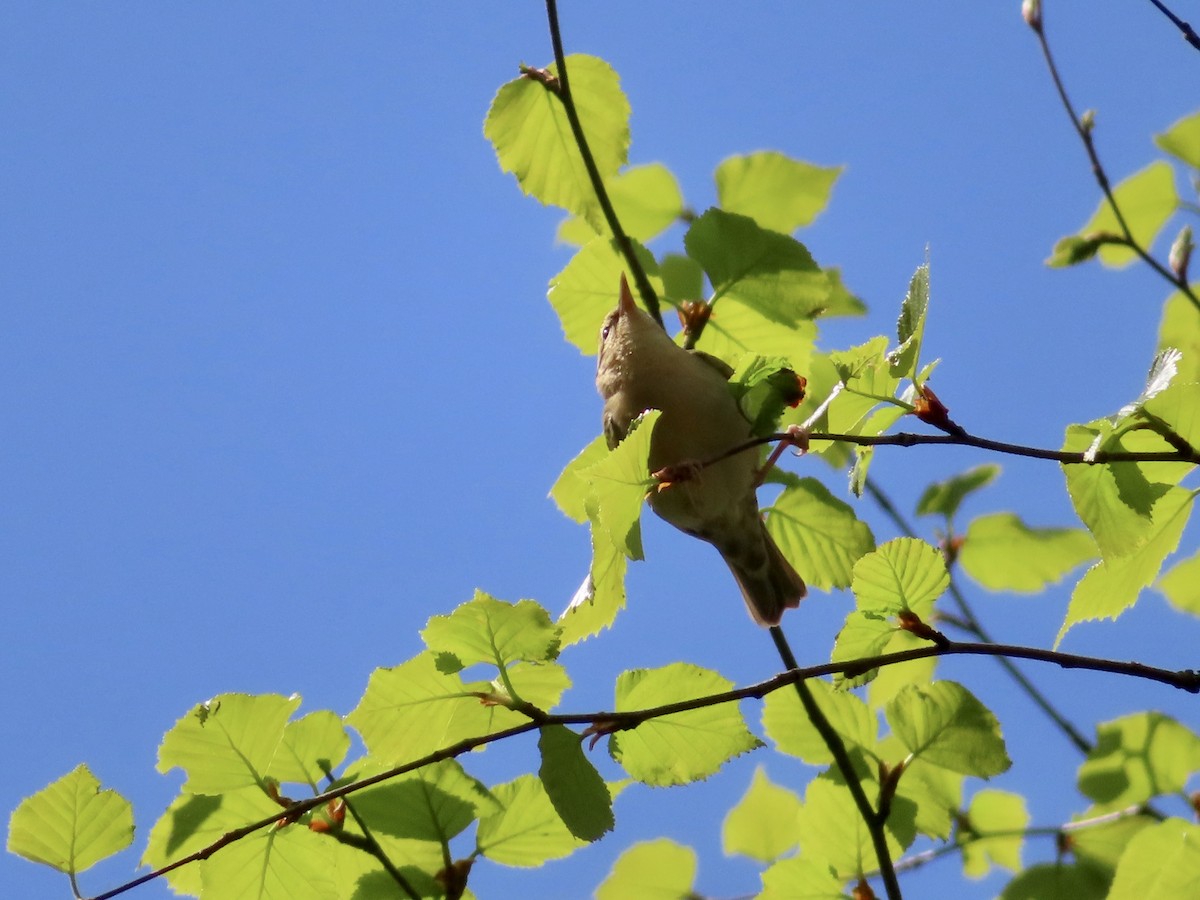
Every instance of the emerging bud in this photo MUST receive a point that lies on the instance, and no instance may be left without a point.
(1031, 12)
(1088, 120)
(1181, 253)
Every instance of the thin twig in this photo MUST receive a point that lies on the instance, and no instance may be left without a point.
(876, 823)
(608, 722)
(1185, 29)
(649, 297)
(1084, 130)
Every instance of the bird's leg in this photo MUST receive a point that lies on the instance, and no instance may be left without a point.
(687, 470)
(796, 436)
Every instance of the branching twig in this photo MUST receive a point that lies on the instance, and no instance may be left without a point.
(649, 297)
(1084, 130)
(1188, 680)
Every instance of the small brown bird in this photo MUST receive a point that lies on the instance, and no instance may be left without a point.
(640, 368)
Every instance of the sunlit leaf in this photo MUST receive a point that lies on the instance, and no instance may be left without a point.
(910, 329)
(651, 870)
(528, 129)
(1182, 140)
(1179, 328)
(801, 878)
(586, 290)
(527, 831)
(646, 199)
(903, 574)
(788, 725)
(1136, 758)
(994, 812)
(944, 497)
(1162, 860)
(487, 630)
(778, 192)
(573, 785)
(1146, 199)
(681, 747)
(433, 803)
(570, 490)
(1181, 585)
(312, 746)
(619, 482)
(1046, 554)
(600, 597)
(819, 534)
(946, 726)
(274, 862)
(761, 825)
(832, 831)
(71, 824)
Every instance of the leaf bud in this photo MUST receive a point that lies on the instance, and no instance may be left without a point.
(1031, 12)
(1181, 253)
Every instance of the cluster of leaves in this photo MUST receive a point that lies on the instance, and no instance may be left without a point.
(406, 818)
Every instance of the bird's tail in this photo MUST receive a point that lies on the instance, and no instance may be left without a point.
(767, 580)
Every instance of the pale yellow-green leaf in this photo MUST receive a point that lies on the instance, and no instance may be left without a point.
(947, 726)
(891, 679)
(1181, 585)
(618, 484)
(570, 490)
(685, 746)
(487, 630)
(1136, 758)
(274, 862)
(1147, 199)
(778, 192)
(652, 870)
(1161, 861)
(999, 813)
(526, 831)
(602, 595)
(819, 534)
(903, 574)
(528, 129)
(762, 825)
(1179, 328)
(787, 724)
(832, 831)
(1182, 140)
(801, 878)
(312, 746)
(71, 824)
(1002, 553)
(646, 199)
(1113, 585)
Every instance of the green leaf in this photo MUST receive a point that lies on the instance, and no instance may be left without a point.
(936, 793)
(1146, 199)
(818, 533)
(275, 862)
(942, 498)
(894, 678)
(1182, 140)
(228, 742)
(903, 574)
(528, 129)
(1136, 758)
(1181, 585)
(841, 302)
(765, 387)
(1161, 861)
(863, 635)
(1101, 845)
(1052, 881)
(787, 724)
(573, 785)
(946, 726)
(570, 491)
(71, 824)
(778, 192)
(993, 542)
(1000, 813)
(586, 290)
(527, 831)
(1115, 500)
(1073, 249)
(1113, 585)
(800, 878)
(768, 272)
(541, 684)
(833, 833)
(410, 710)
(762, 824)
(487, 630)
(600, 597)
(433, 803)
(651, 870)
(1178, 408)
(683, 747)
(1180, 329)
(682, 278)
(619, 483)
(910, 329)
(646, 199)
(312, 746)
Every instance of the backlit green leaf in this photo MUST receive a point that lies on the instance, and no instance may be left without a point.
(1146, 199)
(1179, 328)
(787, 724)
(71, 824)
(1136, 758)
(681, 747)
(1181, 585)
(993, 542)
(487, 630)
(600, 597)
(651, 870)
(778, 192)
(573, 785)
(818, 533)
(274, 862)
(619, 482)
(944, 497)
(646, 199)
(946, 726)
(1000, 813)
(529, 131)
(570, 491)
(527, 831)
(228, 742)
(1162, 860)
(832, 831)
(312, 746)
(910, 329)
(801, 878)
(1182, 140)
(903, 574)
(762, 824)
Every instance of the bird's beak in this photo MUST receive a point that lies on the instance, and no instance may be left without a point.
(626, 304)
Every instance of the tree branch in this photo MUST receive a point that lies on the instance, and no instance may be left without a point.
(1185, 29)
(649, 297)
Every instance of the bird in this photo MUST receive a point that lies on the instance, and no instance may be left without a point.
(639, 367)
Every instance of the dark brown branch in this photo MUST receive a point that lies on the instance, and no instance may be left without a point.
(1084, 130)
(1187, 680)
(1185, 29)
(649, 297)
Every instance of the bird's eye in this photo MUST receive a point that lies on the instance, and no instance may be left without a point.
(605, 330)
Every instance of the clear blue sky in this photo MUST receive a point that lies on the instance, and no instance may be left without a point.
(278, 379)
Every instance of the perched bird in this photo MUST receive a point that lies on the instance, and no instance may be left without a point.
(640, 368)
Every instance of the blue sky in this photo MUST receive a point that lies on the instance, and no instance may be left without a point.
(280, 380)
